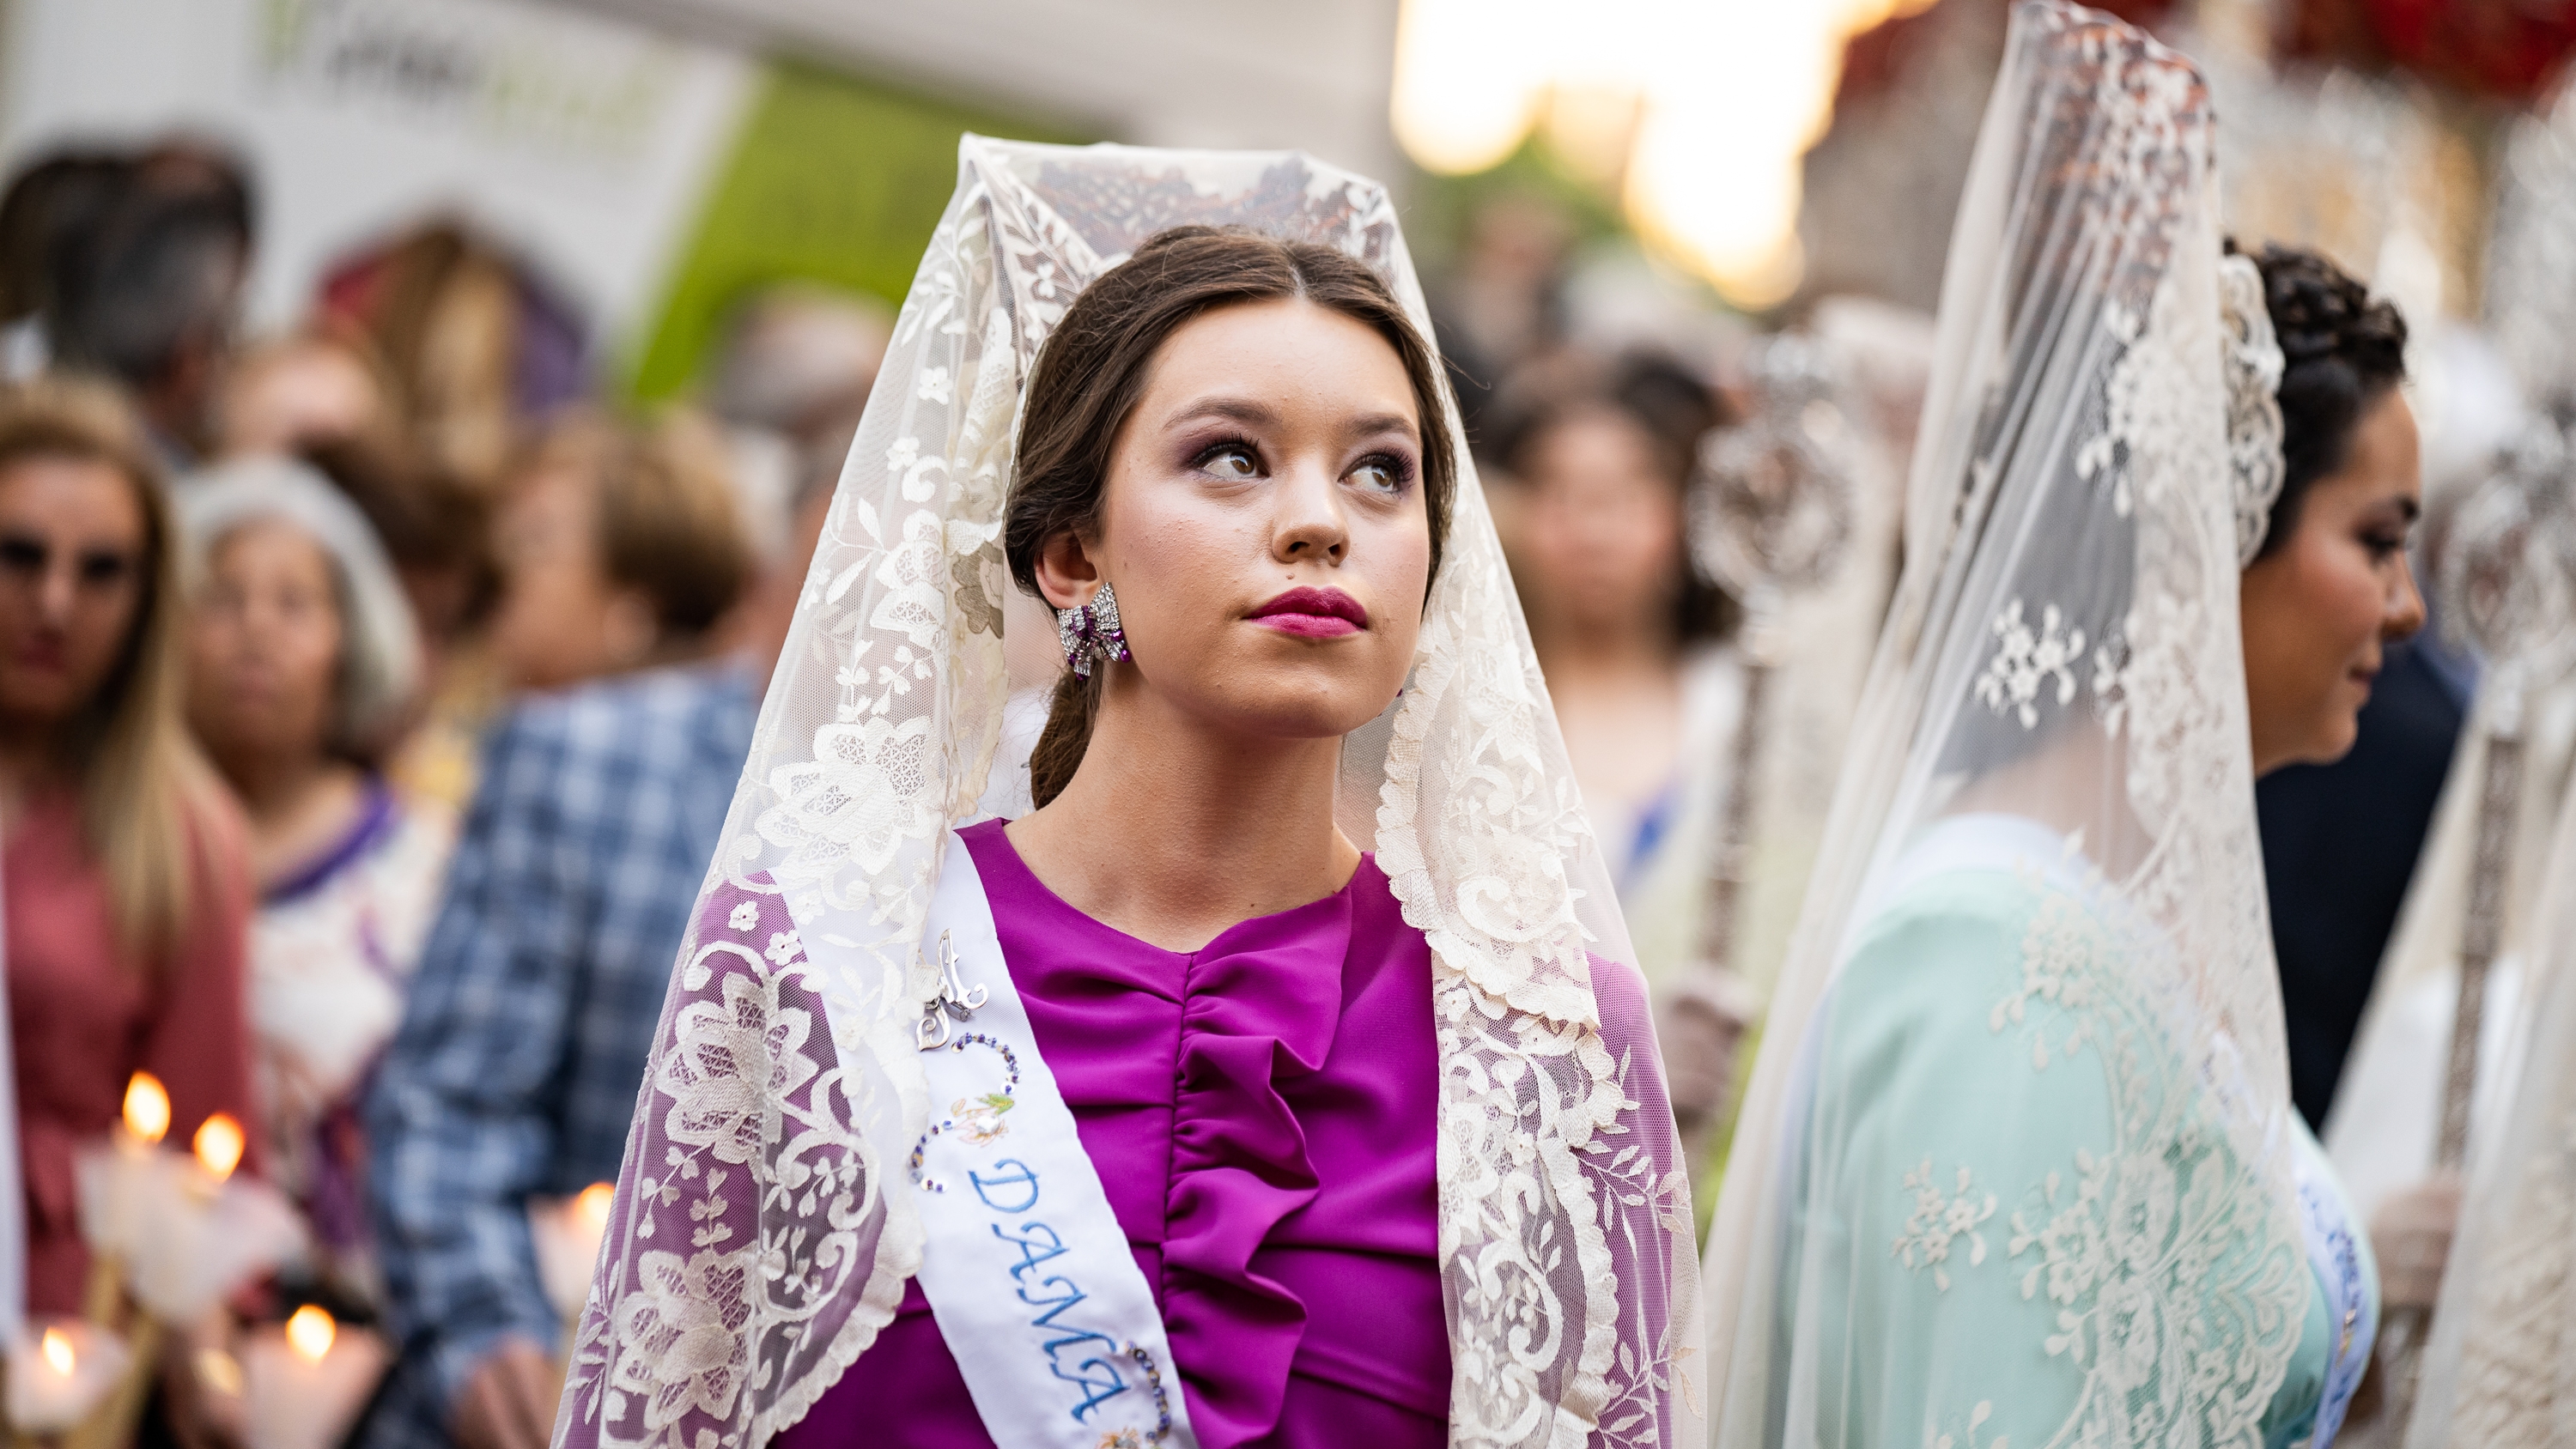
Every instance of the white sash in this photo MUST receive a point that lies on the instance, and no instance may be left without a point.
(1025, 1266)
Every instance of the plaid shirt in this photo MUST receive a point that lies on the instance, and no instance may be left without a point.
(524, 1041)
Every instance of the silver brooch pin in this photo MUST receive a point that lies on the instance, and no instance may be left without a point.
(955, 1001)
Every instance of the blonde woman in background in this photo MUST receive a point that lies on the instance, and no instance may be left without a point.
(126, 900)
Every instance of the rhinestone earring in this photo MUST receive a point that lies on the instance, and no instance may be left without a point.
(1090, 633)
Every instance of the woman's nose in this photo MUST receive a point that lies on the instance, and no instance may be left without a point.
(2405, 612)
(1310, 524)
(58, 592)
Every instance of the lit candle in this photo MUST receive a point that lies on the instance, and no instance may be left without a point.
(177, 1232)
(117, 1195)
(567, 1236)
(218, 1147)
(306, 1381)
(58, 1375)
(147, 1108)
(216, 1231)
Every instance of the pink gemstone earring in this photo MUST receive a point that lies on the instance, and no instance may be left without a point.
(1090, 633)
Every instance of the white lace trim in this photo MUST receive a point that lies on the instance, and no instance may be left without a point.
(784, 1092)
(2254, 429)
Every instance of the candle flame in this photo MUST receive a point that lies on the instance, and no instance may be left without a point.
(147, 1107)
(591, 1208)
(219, 1145)
(219, 1371)
(57, 1351)
(309, 1332)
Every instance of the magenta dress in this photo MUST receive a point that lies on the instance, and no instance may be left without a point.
(1261, 1111)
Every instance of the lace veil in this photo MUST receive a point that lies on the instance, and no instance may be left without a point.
(2500, 1366)
(2063, 648)
(763, 1228)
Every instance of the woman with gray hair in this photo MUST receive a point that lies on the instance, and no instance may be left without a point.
(303, 659)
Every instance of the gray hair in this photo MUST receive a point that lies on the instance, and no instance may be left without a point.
(380, 645)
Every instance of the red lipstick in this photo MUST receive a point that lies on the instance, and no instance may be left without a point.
(1312, 613)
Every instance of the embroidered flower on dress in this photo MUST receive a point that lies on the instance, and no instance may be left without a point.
(2025, 661)
(1940, 1219)
(744, 917)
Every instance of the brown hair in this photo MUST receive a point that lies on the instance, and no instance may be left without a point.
(1092, 370)
(1670, 409)
(436, 529)
(2342, 351)
(146, 796)
(669, 525)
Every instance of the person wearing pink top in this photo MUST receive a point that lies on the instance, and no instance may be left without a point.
(127, 901)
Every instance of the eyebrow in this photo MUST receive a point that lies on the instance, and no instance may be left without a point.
(1237, 409)
(1256, 414)
(1375, 423)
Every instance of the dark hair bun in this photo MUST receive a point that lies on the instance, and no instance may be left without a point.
(2322, 313)
(2341, 349)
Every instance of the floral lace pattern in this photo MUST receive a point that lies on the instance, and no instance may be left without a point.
(784, 1097)
(2254, 431)
(2174, 1288)
(2514, 1384)
(2072, 493)
(1942, 1216)
(2024, 661)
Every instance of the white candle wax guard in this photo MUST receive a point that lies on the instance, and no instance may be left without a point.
(208, 1239)
(567, 1232)
(294, 1401)
(60, 1372)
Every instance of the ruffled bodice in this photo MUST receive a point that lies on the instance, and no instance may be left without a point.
(1261, 1112)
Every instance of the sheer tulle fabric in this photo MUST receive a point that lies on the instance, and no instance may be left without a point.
(2501, 1365)
(2062, 659)
(761, 1236)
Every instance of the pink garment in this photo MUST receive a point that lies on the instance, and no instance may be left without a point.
(1261, 1111)
(84, 1016)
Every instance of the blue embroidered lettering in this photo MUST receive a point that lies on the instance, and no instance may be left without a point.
(1032, 1252)
(1019, 1176)
(1097, 1389)
(1053, 1306)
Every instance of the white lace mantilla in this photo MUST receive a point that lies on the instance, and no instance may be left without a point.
(2064, 647)
(756, 1250)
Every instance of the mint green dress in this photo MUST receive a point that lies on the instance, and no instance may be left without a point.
(2006, 1238)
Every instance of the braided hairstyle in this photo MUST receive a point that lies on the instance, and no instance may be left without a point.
(2342, 351)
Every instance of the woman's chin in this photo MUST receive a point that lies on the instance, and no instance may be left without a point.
(2333, 738)
(1288, 708)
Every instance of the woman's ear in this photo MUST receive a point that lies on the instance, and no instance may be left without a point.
(1067, 574)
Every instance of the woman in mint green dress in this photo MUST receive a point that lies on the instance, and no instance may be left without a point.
(2019, 1167)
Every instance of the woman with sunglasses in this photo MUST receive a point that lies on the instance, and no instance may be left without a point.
(126, 900)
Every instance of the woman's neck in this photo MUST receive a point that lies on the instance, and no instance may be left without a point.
(1578, 657)
(297, 806)
(1172, 831)
(2077, 786)
(32, 760)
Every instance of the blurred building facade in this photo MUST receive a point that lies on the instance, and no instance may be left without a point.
(658, 159)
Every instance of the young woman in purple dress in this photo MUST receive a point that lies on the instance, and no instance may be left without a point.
(1281, 1078)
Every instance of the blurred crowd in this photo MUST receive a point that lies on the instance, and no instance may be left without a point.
(371, 694)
